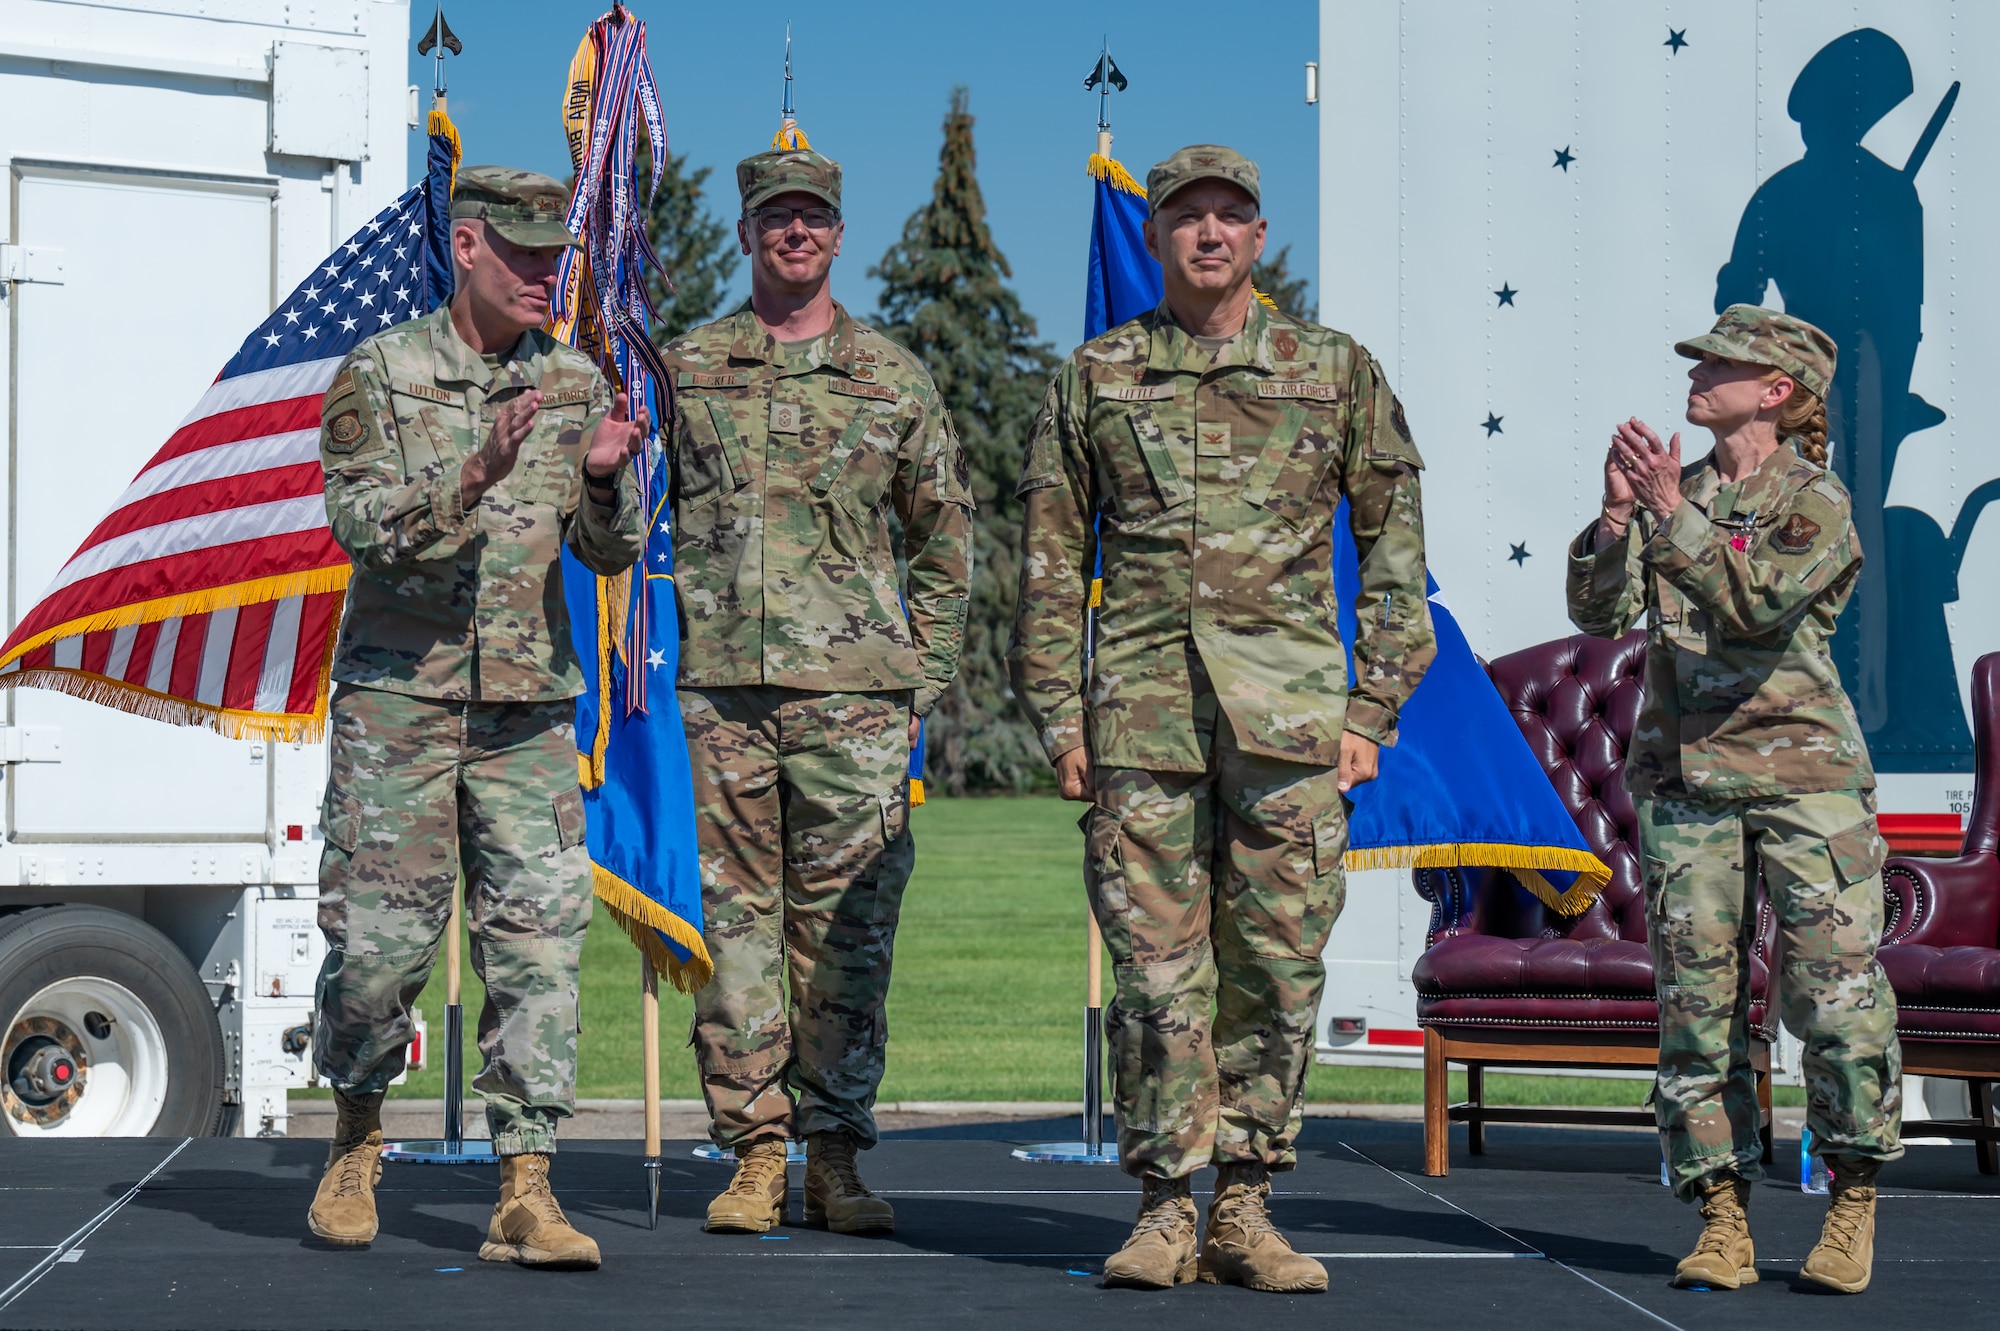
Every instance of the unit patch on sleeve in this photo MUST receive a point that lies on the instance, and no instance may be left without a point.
(344, 431)
(1796, 536)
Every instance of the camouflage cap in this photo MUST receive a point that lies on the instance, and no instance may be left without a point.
(524, 206)
(1757, 336)
(1202, 161)
(767, 175)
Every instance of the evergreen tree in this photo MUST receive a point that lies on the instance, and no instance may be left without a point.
(1273, 276)
(697, 248)
(945, 296)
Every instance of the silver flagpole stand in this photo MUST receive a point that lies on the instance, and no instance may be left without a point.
(453, 1149)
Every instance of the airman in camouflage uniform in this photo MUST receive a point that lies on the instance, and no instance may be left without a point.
(453, 479)
(1747, 759)
(810, 453)
(1218, 720)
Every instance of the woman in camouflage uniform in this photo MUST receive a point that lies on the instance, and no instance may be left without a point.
(1747, 760)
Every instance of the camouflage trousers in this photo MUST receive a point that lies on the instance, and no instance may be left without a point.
(801, 814)
(1215, 891)
(423, 790)
(1821, 861)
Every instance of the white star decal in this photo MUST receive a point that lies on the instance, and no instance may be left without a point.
(347, 325)
(660, 558)
(656, 657)
(311, 332)
(270, 339)
(663, 526)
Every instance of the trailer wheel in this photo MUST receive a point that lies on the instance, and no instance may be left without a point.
(105, 1029)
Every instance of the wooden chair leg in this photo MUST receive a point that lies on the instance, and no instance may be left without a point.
(1437, 1104)
(1983, 1110)
(1475, 1095)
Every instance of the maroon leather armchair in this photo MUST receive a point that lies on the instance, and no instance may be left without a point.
(1941, 944)
(1508, 981)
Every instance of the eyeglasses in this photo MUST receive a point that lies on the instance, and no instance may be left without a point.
(779, 219)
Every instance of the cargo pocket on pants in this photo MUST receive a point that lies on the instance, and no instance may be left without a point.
(340, 818)
(570, 824)
(1104, 877)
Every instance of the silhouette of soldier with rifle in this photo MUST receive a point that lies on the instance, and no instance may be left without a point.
(1840, 232)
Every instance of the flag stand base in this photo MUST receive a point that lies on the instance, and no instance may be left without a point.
(1093, 1149)
(453, 1149)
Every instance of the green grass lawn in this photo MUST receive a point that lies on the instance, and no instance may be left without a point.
(988, 994)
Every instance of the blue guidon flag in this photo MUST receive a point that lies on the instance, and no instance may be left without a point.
(1461, 785)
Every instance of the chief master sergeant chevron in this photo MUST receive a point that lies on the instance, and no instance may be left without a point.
(1210, 442)
(461, 451)
(809, 454)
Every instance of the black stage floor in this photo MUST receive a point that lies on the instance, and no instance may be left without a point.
(1551, 1229)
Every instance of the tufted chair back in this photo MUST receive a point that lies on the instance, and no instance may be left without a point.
(1576, 701)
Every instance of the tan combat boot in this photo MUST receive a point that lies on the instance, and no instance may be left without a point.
(754, 1201)
(1242, 1247)
(343, 1210)
(1161, 1251)
(835, 1195)
(1844, 1257)
(1723, 1257)
(528, 1226)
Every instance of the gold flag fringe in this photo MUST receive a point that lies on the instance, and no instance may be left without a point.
(1524, 862)
(644, 920)
(1108, 170)
(236, 595)
(230, 724)
(438, 122)
(790, 138)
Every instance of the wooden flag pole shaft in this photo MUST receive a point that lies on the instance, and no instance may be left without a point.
(649, 1034)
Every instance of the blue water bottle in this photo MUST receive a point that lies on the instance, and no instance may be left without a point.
(1812, 1168)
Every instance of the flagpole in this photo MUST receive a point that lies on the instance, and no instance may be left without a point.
(452, 1149)
(649, 1035)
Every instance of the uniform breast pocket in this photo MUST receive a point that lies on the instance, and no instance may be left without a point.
(550, 469)
(1299, 453)
(708, 459)
(857, 473)
(1136, 444)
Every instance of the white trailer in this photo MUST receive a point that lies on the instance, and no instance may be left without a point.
(172, 169)
(1524, 205)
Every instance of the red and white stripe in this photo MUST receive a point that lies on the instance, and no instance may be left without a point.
(235, 496)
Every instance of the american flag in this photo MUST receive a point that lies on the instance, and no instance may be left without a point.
(211, 593)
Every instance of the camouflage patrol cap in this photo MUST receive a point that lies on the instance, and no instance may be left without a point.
(1202, 161)
(525, 207)
(1758, 336)
(767, 175)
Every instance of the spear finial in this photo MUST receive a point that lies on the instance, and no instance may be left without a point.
(1104, 76)
(789, 136)
(439, 39)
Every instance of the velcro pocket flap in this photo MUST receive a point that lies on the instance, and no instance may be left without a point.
(1857, 853)
(843, 448)
(569, 817)
(340, 817)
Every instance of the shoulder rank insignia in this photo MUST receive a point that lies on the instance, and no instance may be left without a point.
(1316, 392)
(1796, 536)
(849, 388)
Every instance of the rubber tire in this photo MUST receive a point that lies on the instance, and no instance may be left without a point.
(49, 943)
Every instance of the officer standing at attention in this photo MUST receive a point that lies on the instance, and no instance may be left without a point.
(461, 451)
(1747, 760)
(1203, 449)
(809, 453)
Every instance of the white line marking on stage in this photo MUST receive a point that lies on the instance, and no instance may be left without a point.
(1635, 1307)
(43, 1267)
(1100, 1256)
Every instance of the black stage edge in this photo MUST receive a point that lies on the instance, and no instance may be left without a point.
(1552, 1228)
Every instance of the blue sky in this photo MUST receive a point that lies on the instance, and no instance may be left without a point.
(872, 84)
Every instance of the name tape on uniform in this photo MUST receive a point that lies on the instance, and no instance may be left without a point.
(696, 379)
(428, 392)
(1137, 392)
(1316, 392)
(849, 388)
